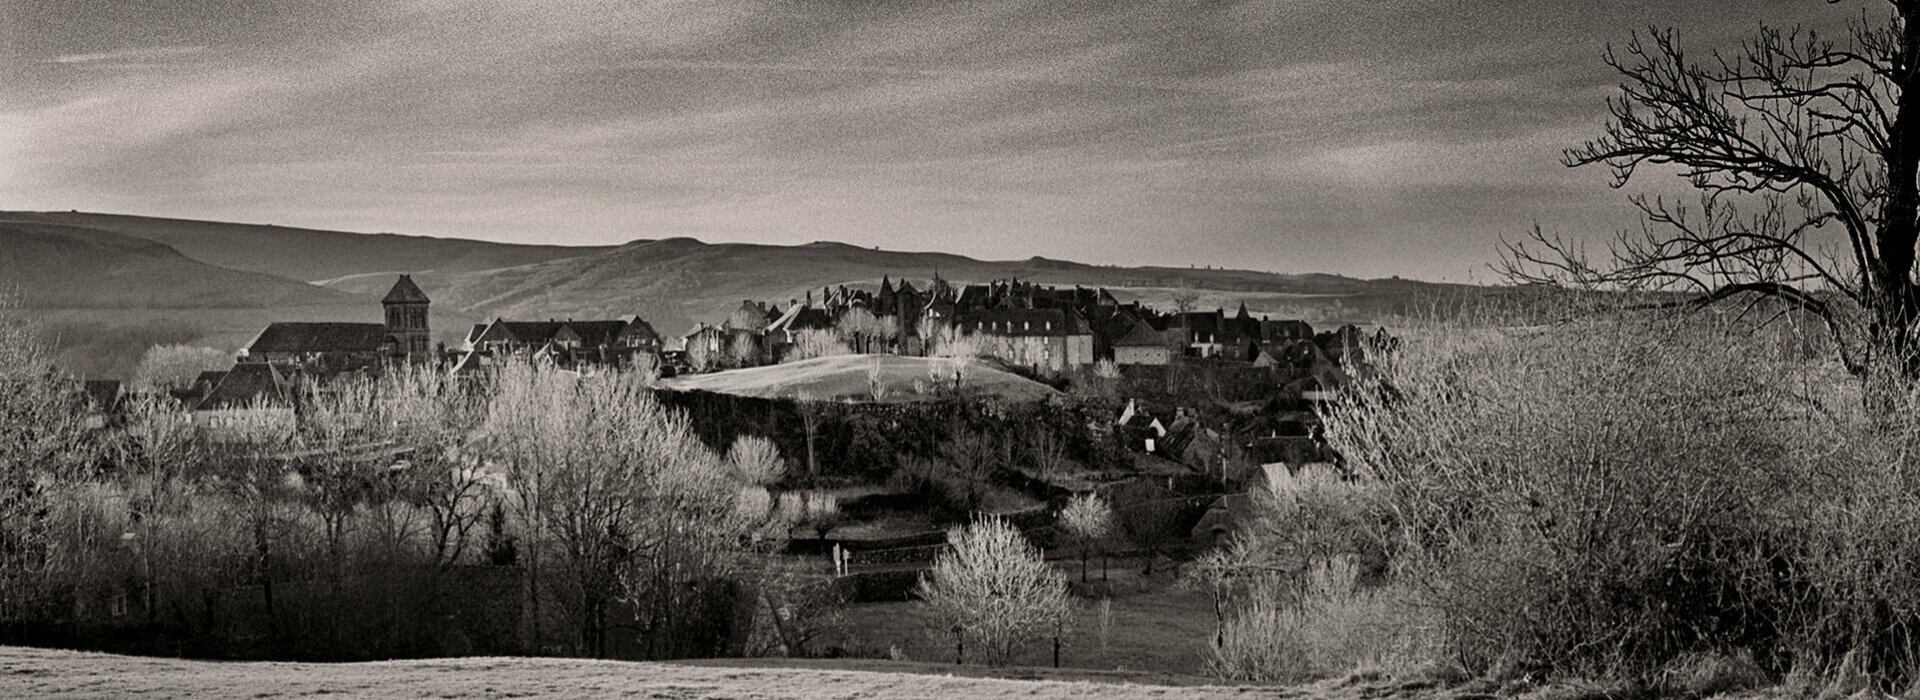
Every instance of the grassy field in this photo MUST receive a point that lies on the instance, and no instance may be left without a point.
(1155, 629)
(44, 673)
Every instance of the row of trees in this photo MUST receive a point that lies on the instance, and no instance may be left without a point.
(342, 528)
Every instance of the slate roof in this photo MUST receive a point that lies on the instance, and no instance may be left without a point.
(974, 296)
(638, 328)
(594, 334)
(244, 384)
(1203, 326)
(325, 336)
(211, 378)
(521, 332)
(405, 292)
(1142, 335)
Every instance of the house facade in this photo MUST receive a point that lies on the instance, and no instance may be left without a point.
(1051, 340)
(573, 344)
(1143, 346)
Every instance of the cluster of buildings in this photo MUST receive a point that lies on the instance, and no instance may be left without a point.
(1045, 329)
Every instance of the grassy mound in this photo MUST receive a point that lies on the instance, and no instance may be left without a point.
(866, 378)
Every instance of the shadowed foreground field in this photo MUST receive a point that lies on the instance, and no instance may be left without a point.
(47, 673)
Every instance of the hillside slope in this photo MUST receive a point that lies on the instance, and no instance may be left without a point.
(309, 254)
(102, 298)
(678, 281)
(65, 266)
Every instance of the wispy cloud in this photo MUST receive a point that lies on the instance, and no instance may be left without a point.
(146, 55)
(1363, 136)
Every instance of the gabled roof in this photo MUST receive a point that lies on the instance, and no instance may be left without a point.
(1288, 330)
(520, 332)
(639, 329)
(246, 383)
(1203, 326)
(473, 336)
(905, 287)
(405, 292)
(1142, 335)
(307, 336)
(593, 334)
(974, 296)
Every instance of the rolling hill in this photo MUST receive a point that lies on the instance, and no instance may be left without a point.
(103, 297)
(308, 254)
(63, 266)
(678, 281)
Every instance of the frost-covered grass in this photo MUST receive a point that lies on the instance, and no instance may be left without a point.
(45, 673)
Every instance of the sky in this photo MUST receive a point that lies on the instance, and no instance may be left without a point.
(1361, 137)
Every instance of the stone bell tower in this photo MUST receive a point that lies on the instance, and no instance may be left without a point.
(407, 332)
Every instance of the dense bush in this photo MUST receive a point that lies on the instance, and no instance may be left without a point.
(1611, 495)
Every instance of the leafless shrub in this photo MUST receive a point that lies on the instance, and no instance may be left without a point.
(1089, 519)
(994, 589)
(1602, 495)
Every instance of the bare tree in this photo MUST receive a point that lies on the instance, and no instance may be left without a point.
(435, 420)
(743, 348)
(887, 330)
(996, 588)
(816, 510)
(1789, 137)
(816, 342)
(251, 463)
(813, 414)
(755, 460)
(153, 452)
(858, 328)
(1046, 450)
(701, 357)
(172, 366)
(1089, 519)
(629, 502)
(42, 439)
(329, 449)
(973, 456)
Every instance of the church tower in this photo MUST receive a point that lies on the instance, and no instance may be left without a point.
(407, 332)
